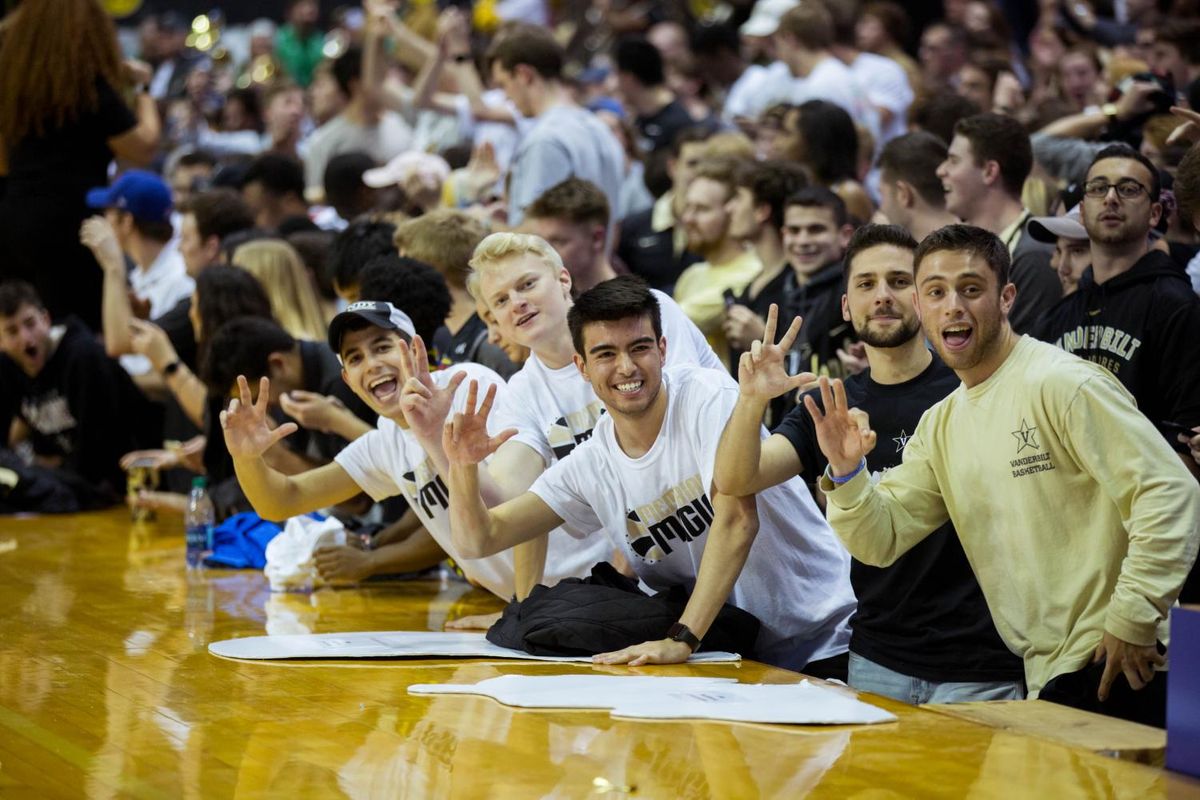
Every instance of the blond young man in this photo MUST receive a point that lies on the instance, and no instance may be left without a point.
(526, 287)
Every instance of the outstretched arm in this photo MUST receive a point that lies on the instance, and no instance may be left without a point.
(744, 464)
(274, 495)
(877, 523)
(735, 524)
(476, 531)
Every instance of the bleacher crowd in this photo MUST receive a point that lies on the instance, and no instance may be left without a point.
(520, 284)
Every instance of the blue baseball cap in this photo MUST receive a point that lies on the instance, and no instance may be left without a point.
(141, 193)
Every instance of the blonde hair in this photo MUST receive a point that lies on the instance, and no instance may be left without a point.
(726, 145)
(278, 267)
(499, 247)
(443, 238)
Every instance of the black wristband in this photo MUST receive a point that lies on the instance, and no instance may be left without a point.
(682, 633)
(172, 368)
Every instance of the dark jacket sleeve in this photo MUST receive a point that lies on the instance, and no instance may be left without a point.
(1179, 372)
(1037, 288)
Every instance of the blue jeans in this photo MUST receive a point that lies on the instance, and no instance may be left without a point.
(868, 676)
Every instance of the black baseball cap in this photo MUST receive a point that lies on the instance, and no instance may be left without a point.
(375, 312)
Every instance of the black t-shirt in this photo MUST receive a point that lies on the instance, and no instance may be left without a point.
(82, 407)
(68, 160)
(659, 129)
(178, 326)
(776, 291)
(925, 615)
(470, 344)
(323, 375)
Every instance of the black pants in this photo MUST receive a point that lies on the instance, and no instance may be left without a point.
(832, 668)
(1078, 690)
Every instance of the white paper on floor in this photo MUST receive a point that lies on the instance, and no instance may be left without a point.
(803, 703)
(393, 644)
(570, 691)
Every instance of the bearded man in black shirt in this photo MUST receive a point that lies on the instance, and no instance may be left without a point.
(922, 632)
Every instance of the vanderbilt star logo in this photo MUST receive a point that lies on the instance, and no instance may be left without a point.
(901, 440)
(1026, 436)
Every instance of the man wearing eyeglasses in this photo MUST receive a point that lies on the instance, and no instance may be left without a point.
(1135, 312)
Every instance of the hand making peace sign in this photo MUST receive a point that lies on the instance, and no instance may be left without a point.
(762, 370)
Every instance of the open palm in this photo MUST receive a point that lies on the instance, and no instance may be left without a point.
(248, 432)
(844, 434)
(762, 370)
(465, 437)
(426, 406)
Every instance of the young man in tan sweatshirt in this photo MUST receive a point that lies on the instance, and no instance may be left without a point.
(1077, 518)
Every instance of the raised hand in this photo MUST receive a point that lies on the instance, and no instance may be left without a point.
(742, 326)
(762, 370)
(843, 433)
(426, 405)
(97, 234)
(465, 437)
(247, 428)
(151, 341)
(312, 410)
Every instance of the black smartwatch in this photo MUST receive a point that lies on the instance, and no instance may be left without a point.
(682, 633)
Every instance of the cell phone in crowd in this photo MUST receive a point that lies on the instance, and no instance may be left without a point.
(730, 298)
(1172, 431)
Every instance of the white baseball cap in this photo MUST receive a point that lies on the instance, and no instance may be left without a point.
(764, 19)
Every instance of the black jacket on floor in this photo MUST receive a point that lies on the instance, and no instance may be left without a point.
(607, 611)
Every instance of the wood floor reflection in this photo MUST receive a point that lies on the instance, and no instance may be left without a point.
(107, 690)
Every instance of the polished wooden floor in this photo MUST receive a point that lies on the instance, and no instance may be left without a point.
(107, 690)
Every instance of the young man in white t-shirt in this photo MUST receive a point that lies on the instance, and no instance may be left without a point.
(370, 338)
(523, 283)
(645, 478)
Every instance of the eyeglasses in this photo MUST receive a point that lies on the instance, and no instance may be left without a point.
(1127, 188)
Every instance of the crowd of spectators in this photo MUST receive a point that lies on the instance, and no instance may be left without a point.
(175, 216)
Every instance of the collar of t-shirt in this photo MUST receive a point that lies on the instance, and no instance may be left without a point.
(1011, 236)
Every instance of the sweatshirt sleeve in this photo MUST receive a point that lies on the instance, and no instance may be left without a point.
(879, 522)
(1179, 373)
(1159, 503)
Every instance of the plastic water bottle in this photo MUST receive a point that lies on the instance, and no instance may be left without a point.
(198, 520)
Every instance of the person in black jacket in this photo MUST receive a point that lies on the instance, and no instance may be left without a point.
(1134, 312)
(78, 407)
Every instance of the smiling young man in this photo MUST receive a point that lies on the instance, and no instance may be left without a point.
(527, 289)
(371, 340)
(816, 230)
(983, 175)
(645, 479)
(1079, 554)
(922, 632)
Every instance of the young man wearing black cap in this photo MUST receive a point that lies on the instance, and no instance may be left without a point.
(372, 340)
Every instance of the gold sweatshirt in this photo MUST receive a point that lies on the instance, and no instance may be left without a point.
(1075, 514)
